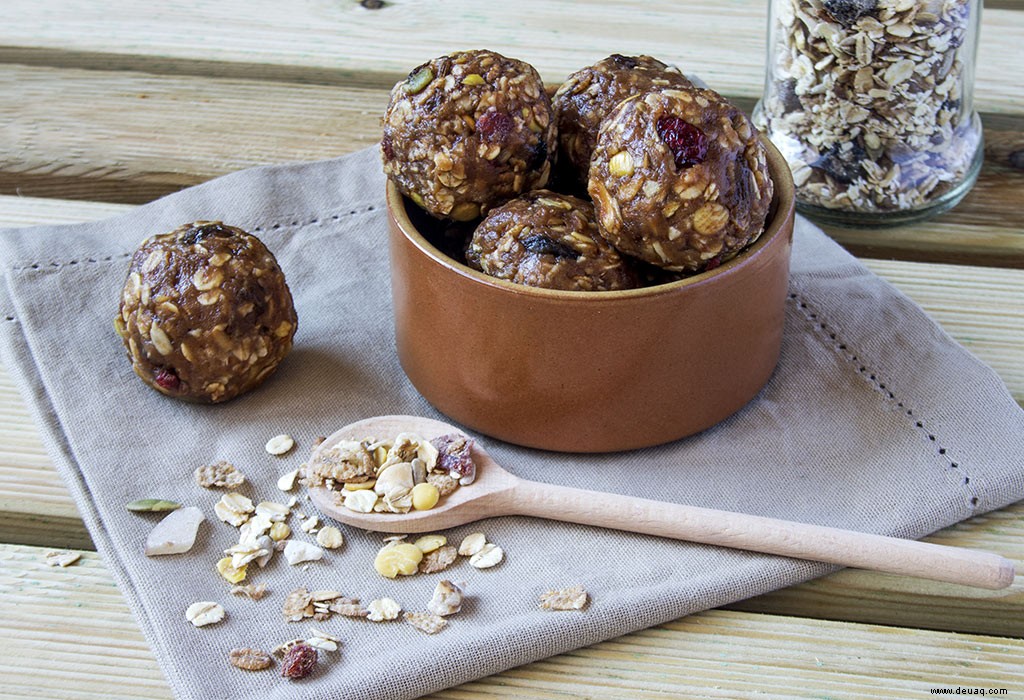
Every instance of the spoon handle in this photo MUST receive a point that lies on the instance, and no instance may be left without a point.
(759, 534)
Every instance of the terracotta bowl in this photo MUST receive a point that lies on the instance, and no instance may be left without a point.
(589, 371)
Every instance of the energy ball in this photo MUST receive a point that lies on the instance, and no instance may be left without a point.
(205, 312)
(588, 96)
(544, 239)
(679, 179)
(468, 131)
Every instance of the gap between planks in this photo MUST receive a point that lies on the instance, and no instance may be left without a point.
(89, 643)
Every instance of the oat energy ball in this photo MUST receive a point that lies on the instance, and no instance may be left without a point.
(205, 312)
(544, 239)
(588, 96)
(680, 179)
(467, 132)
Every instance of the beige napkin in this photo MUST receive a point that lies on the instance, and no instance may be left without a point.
(875, 420)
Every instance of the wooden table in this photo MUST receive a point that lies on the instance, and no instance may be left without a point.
(108, 104)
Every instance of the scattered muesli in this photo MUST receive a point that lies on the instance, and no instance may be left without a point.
(204, 613)
(176, 533)
(220, 474)
(438, 559)
(287, 481)
(250, 659)
(447, 599)
(425, 622)
(574, 598)
(488, 556)
(329, 537)
(299, 661)
(63, 559)
(280, 531)
(257, 591)
(300, 552)
(280, 445)
(234, 509)
(428, 543)
(392, 476)
(396, 558)
(383, 610)
(472, 544)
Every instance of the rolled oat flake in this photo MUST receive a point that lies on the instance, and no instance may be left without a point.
(871, 103)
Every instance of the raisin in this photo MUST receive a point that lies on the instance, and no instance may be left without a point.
(842, 165)
(455, 454)
(200, 233)
(627, 62)
(542, 245)
(299, 661)
(847, 12)
(387, 148)
(538, 155)
(688, 144)
(167, 379)
(494, 125)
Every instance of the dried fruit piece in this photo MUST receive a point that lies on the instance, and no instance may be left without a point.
(219, 475)
(847, 12)
(494, 125)
(287, 481)
(397, 558)
(447, 599)
(330, 537)
(231, 574)
(63, 559)
(688, 144)
(167, 379)
(425, 622)
(176, 533)
(428, 543)
(298, 552)
(490, 555)
(438, 560)
(255, 592)
(299, 661)
(455, 454)
(204, 613)
(250, 659)
(574, 598)
(152, 505)
(472, 544)
(280, 445)
(418, 80)
(383, 609)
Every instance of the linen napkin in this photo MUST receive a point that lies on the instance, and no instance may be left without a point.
(875, 420)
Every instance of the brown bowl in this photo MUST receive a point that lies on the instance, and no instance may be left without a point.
(589, 371)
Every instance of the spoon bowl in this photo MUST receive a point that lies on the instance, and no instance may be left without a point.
(496, 492)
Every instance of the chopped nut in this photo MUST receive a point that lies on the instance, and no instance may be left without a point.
(219, 475)
(428, 543)
(574, 598)
(397, 558)
(472, 544)
(62, 559)
(152, 505)
(425, 622)
(176, 533)
(447, 599)
(329, 538)
(487, 557)
(438, 560)
(250, 659)
(280, 445)
(255, 592)
(299, 552)
(204, 613)
(383, 609)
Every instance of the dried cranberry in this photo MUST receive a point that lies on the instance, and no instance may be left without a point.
(299, 661)
(385, 146)
(494, 125)
(847, 12)
(689, 145)
(167, 379)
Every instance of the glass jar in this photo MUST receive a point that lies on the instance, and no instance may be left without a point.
(871, 102)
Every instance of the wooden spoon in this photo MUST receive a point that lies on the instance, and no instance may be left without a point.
(496, 492)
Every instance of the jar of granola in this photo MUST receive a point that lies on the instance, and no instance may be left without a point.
(871, 103)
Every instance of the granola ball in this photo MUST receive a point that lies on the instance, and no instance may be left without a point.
(589, 95)
(468, 131)
(679, 179)
(205, 312)
(544, 239)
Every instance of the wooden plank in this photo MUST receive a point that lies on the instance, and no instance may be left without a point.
(330, 41)
(74, 626)
(130, 152)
